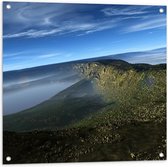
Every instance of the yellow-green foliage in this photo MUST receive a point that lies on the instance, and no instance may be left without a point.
(141, 94)
(120, 85)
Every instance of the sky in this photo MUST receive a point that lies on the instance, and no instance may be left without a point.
(36, 34)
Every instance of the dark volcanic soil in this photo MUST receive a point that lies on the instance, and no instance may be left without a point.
(110, 142)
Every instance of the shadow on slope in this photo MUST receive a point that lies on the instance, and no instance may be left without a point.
(67, 107)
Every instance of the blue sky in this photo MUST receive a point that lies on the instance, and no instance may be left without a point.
(36, 34)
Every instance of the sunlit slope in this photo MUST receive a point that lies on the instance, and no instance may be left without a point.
(112, 91)
(134, 92)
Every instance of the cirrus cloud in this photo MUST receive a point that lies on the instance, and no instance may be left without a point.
(34, 20)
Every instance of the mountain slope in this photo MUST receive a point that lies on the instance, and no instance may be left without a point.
(117, 112)
(69, 106)
(110, 86)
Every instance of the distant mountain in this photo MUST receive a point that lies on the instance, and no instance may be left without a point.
(145, 57)
(37, 73)
(67, 67)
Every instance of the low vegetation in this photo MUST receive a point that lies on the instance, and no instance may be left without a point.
(116, 112)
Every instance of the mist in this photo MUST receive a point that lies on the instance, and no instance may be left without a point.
(21, 99)
(27, 88)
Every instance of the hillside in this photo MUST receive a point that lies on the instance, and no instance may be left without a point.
(67, 107)
(107, 85)
(116, 105)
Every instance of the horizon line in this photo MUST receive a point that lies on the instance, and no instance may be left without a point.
(164, 47)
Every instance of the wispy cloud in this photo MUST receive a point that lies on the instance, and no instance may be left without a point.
(33, 33)
(70, 27)
(26, 59)
(125, 11)
(13, 54)
(35, 55)
(147, 24)
(50, 55)
(34, 20)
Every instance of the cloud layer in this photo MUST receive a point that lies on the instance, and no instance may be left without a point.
(150, 57)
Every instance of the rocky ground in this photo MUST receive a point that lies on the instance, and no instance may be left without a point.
(106, 142)
(125, 121)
